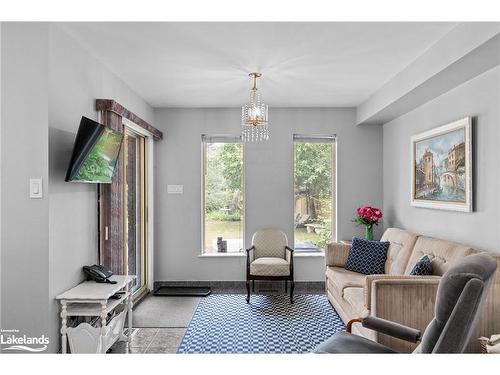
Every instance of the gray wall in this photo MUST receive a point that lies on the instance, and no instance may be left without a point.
(76, 79)
(25, 234)
(479, 98)
(47, 86)
(269, 184)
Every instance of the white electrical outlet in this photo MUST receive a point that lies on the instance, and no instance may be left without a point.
(175, 189)
(36, 188)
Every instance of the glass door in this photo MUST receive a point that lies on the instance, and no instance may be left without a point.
(135, 210)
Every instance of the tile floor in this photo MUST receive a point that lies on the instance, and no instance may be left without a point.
(151, 341)
(160, 340)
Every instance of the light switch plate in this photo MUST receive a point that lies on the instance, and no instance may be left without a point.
(36, 188)
(175, 189)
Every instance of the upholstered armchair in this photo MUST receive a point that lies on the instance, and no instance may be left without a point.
(270, 258)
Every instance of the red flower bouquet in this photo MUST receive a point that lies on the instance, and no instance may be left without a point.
(368, 216)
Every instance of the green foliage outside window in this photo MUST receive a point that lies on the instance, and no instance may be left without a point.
(313, 185)
(223, 182)
(313, 167)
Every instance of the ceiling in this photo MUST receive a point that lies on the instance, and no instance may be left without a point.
(303, 64)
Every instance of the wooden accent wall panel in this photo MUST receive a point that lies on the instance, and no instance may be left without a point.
(112, 254)
(110, 105)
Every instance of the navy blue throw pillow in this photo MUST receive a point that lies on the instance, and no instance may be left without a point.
(423, 267)
(367, 257)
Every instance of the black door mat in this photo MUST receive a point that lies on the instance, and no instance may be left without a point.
(182, 291)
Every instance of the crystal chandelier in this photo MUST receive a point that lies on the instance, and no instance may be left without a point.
(254, 123)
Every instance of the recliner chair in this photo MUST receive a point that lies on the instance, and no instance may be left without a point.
(460, 295)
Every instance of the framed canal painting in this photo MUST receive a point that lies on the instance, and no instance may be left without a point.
(442, 167)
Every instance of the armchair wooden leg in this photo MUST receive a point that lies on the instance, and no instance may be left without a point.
(292, 286)
(248, 291)
(253, 286)
(286, 286)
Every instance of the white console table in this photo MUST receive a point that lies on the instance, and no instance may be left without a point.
(94, 299)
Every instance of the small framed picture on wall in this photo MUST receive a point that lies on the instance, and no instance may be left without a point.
(441, 167)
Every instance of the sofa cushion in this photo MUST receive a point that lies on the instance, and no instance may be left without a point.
(270, 267)
(367, 257)
(442, 254)
(401, 244)
(355, 296)
(422, 268)
(342, 278)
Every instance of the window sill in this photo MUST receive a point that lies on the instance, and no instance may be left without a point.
(309, 255)
(222, 255)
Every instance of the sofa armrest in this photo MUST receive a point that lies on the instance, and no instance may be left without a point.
(385, 279)
(408, 300)
(336, 254)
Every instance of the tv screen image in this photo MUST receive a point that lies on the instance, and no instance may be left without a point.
(95, 153)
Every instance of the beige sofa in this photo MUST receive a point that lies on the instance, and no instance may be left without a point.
(397, 296)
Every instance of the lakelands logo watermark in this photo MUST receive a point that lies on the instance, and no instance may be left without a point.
(11, 340)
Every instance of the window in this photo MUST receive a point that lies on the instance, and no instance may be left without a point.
(314, 193)
(223, 195)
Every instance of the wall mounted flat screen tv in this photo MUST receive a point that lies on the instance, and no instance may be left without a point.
(95, 153)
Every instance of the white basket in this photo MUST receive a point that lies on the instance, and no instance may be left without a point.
(115, 330)
(85, 338)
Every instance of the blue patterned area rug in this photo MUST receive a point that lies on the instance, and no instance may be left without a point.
(225, 323)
